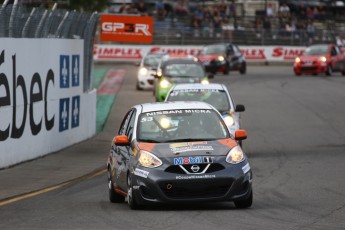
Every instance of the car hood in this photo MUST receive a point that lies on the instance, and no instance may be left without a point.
(208, 57)
(311, 57)
(184, 79)
(193, 148)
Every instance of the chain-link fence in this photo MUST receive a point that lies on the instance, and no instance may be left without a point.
(17, 21)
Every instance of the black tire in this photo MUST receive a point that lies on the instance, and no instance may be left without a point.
(227, 69)
(329, 70)
(243, 69)
(297, 74)
(113, 196)
(245, 203)
(138, 87)
(130, 195)
(343, 72)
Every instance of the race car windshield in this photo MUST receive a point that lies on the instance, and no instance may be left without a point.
(316, 50)
(181, 125)
(151, 61)
(216, 98)
(184, 70)
(213, 50)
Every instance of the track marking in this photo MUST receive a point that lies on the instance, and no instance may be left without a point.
(51, 188)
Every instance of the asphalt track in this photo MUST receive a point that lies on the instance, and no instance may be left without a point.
(296, 146)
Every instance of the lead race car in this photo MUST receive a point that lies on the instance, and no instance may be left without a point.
(175, 152)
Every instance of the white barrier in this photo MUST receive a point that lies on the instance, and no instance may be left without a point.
(108, 52)
(42, 104)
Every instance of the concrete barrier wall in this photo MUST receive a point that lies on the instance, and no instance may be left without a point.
(42, 104)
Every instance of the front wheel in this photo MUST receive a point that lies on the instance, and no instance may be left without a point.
(243, 69)
(226, 69)
(113, 196)
(130, 195)
(246, 203)
(329, 70)
(138, 86)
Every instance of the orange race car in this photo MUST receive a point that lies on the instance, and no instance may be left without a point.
(321, 58)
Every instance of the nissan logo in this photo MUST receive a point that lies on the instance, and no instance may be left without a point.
(195, 168)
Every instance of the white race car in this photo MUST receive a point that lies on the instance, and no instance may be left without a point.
(216, 95)
(147, 67)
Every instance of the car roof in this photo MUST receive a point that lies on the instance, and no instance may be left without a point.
(199, 86)
(172, 105)
(178, 57)
(180, 61)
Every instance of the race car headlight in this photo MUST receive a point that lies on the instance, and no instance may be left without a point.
(220, 58)
(323, 59)
(235, 155)
(143, 71)
(165, 84)
(229, 120)
(147, 159)
(205, 82)
(297, 60)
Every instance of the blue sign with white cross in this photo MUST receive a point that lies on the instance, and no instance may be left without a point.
(64, 71)
(75, 112)
(64, 114)
(75, 70)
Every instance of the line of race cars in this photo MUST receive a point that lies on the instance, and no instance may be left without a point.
(186, 146)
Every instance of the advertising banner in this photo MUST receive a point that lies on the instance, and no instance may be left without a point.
(105, 52)
(42, 98)
(126, 28)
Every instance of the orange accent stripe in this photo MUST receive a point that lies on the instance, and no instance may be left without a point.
(146, 146)
(228, 142)
(119, 191)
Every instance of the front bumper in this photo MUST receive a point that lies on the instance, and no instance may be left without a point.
(162, 93)
(229, 184)
(145, 81)
(310, 69)
(214, 68)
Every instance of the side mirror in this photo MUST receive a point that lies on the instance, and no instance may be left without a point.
(121, 140)
(240, 108)
(240, 134)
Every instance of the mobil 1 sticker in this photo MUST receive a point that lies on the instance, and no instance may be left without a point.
(75, 111)
(75, 70)
(64, 71)
(63, 114)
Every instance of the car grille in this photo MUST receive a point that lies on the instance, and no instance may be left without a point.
(308, 62)
(187, 190)
(178, 170)
(308, 68)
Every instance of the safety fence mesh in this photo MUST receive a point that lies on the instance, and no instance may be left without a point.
(18, 21)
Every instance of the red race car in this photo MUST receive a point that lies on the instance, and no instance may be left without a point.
(321, 58)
